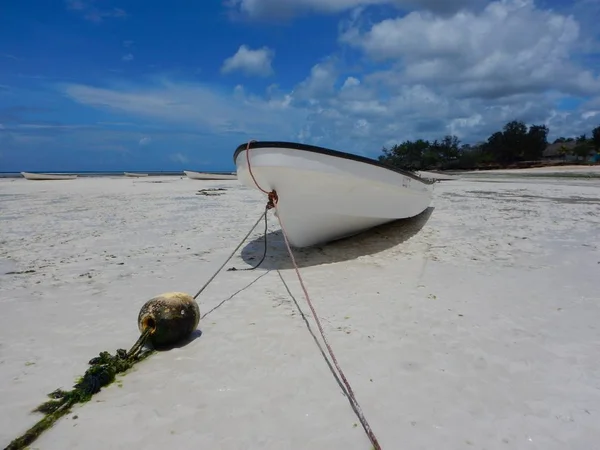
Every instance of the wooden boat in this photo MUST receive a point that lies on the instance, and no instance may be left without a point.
(325, 195)
(48, 176)
(209, 176)
(135, 175)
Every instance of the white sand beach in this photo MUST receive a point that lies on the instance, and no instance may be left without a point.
(475, 325)
(566, 170)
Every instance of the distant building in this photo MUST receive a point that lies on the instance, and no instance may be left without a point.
(563, 151)
(559, 151)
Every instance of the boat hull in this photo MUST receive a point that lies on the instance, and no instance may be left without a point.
(209, 176)
(47, 176)
(135, 175)
(325, 195)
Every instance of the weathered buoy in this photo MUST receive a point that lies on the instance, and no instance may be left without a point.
(169, 318)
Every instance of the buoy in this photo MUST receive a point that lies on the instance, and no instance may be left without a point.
(169, 318)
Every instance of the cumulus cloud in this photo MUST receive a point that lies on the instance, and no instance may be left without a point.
(326, 109)
(350, 82)
(127, 57)
(508, 48)
(251, 62)
(423, 75)
(145, 141)
(319, 84)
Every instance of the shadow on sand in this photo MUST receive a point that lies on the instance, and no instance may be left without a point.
(191, 338)
(368, 242)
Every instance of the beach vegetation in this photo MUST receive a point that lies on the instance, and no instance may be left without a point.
(516, 145)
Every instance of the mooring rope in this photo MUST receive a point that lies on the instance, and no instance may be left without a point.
(230, 256)
(264, 255)
(272, 203)
(351, 397)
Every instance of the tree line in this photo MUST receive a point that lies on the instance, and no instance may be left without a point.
(517, 145)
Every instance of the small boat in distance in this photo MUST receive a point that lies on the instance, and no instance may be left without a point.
(325, 195)
(209, 176)
(135, 175)
(48, 176)
(437, 176)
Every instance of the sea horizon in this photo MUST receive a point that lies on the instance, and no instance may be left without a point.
(104, 173)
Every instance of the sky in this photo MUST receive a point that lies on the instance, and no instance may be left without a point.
(130, 85)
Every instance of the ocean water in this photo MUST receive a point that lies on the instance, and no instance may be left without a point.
(107, 174)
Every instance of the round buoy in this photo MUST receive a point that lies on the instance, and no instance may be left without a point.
(170, 318)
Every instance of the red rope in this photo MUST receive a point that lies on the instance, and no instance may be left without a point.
(273, 199)
(250, 167)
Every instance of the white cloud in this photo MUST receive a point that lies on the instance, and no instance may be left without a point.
(145, 141)
(350, 82)
(509, 47)
(465, 73)
(358, 118)
(93, 13)
(319, 84)
(288, 8)
(197, 105)
(128, 57)
(251, 62)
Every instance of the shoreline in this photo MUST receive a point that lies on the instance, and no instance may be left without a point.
(559, 166)
(591, 171)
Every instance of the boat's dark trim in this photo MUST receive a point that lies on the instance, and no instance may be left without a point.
(326, 151)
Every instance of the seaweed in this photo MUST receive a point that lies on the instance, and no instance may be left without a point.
(102, 372)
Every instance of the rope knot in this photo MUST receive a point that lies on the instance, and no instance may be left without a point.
(273, 199)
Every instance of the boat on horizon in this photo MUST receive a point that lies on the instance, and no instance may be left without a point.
(209, 176)
(48, 176)
(135, 175)
(326, 195)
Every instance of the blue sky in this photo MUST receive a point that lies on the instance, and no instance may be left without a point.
(118, 84)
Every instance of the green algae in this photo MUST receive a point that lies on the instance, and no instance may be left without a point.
(103, 371)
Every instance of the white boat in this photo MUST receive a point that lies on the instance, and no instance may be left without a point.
(135, 175)
(209, 176)
(48, 176)
(325, 195)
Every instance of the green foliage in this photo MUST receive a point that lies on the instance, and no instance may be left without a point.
(583, 147)
(420, 154)
(515, 143)
(596, 138)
